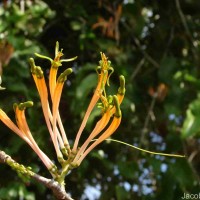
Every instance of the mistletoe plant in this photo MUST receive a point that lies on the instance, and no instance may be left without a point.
(68, 156)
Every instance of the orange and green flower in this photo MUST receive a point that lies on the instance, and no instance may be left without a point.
(50, 95)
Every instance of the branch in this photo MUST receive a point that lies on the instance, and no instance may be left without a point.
(187, 30)
(57, 190)
(145, 54)
(137, 69)
(139, 46)
(147, 120)
(183, 19)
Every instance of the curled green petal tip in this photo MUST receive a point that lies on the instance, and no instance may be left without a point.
(35, 69)
(63, 76)
(15, 106)
(69, 59)
(31, 61)
(32, 64)
(44, 57)
(28, 104)
(24, 105)
(121, 89)
(117, 106)
(38, 71)
(68, 71)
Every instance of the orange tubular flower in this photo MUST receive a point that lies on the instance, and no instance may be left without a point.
(53, 87)
(105, 127)
(21, 119)
(23, 126)
(103, 122)
(24, 132)
(109, 131)
(57, 62)
(56, 100)
(40, 83)
(102, 80)
(8, 122)
(38, 77)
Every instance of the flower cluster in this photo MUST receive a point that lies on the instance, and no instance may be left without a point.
(50, 94)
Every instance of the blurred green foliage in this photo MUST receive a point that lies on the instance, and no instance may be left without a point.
(156, 46)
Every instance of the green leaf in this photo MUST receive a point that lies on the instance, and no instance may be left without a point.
(16, 190)
(166, 187)
(19, 87)
(121, 193)
(86, 86)
(167, 69)
(182, 173)
(155, 163)
(191, 125)
(127, 169)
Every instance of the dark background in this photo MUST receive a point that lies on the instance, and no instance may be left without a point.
(156, 46)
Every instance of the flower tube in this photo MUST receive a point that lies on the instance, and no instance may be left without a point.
(102, 80)
(8, 122)
(56, 101)
(38, 77)
(23, 126)
(107, 114)
(27, 138)
(109, 131)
